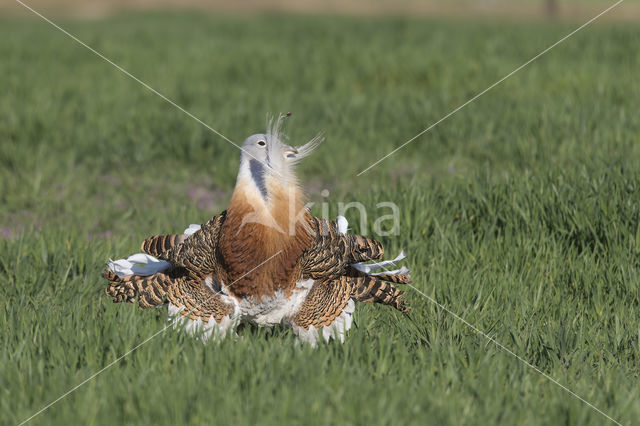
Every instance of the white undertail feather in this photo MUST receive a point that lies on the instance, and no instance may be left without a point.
(276, 309)
(341, 325)
(309, 336)
(211, 329)
(200, 329)
(336, 330)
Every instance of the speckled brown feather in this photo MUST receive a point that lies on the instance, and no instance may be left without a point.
(367, 288)
(159, 244)
(193, 259)
(175, 285)
(332, 253)
(326, 300)
(394, 278)
(199, 253)
(324, 303)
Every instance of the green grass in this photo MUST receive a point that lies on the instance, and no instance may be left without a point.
(521, 213)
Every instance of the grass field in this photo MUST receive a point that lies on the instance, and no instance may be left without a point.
(521, 213)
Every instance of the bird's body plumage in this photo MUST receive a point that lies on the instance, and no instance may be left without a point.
(276, 228)
(265, 260)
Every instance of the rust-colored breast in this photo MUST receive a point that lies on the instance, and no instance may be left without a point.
(261, 256)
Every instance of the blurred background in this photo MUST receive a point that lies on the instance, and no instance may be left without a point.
(520, 9)
(370, 74)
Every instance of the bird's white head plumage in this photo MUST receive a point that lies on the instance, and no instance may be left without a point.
(266, 161)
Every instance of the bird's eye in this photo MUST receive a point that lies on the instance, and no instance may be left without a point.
(261, 143)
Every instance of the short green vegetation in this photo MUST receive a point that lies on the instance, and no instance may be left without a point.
(520, 213)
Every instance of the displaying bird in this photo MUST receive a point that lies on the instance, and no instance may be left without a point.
(264, 260)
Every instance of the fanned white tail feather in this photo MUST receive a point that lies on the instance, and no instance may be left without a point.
(137, 264)
(403, 271)
(368, 268)
(205, 330)
(192, 229)
(342, 224)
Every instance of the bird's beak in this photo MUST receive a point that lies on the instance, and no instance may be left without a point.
(290, 152)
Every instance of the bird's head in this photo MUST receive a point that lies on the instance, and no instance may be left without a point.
(267, 191)
(266, 157)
